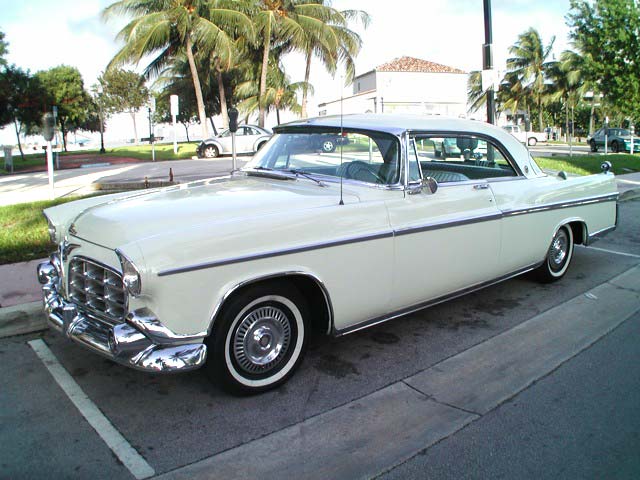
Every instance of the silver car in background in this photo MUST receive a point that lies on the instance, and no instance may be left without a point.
(249, 139)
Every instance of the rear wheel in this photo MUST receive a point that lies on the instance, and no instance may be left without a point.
(558, 256)
(211, 151)
(259, 339)
(532, 141)
(328, 146)
(615, 148)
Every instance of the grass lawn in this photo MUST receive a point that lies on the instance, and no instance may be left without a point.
(140, 152)
(590, 164)
(23, 231)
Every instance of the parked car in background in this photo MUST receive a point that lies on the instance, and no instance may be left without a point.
(528, 138)
(238, 272)
(458, 148)
(249, 139)
(617, 139)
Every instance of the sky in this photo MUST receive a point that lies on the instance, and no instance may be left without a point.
(46, 33)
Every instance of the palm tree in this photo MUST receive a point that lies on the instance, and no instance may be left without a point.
(333, 42)
(529, 62)
(165, 28)
(476, 96)
(280, 93)
(513, 94)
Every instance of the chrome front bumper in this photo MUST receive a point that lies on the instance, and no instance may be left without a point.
(142, 342)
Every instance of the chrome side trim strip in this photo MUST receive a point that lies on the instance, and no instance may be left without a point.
(276, 253)
(389, 234)
(440, 225)
(430, 303)
(559, 205)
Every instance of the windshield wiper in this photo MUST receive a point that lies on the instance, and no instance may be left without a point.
(297, 172)
(268, 173)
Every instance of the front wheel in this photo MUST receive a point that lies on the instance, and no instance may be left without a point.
(558, 257)
(615, 148)
(210, 151)
(532, 141)
(594, 147)
(259, 339)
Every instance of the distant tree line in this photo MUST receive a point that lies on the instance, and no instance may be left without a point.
(599, 77)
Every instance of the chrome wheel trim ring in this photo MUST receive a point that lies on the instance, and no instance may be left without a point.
(559, 250)
(295, 348)
(327, 146)
(262, 339)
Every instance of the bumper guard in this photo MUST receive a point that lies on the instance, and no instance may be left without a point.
(142, 342)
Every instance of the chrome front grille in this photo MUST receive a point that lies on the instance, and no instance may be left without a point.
(97, 289)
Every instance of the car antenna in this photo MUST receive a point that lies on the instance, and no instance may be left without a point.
(341, 136)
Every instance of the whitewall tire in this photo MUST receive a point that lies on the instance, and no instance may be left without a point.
(259, 339)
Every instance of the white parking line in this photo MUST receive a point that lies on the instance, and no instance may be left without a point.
(137, 465)
(612, 251)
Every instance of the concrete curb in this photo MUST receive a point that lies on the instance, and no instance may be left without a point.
(22, 319)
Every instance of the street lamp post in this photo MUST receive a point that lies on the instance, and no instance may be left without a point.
(100, 91)
(487, 60)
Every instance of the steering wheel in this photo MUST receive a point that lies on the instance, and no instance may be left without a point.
(358, 170)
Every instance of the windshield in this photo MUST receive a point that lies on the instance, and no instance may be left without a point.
(366, 157)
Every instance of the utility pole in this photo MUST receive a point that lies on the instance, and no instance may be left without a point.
(487, 60)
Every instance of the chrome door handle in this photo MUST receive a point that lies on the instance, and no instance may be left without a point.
(481, 186)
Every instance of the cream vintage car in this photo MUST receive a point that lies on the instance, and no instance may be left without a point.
(238, 272)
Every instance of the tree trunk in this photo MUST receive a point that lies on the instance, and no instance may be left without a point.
(223, 100)
(15, 122)
(64, 133)
(186, 129)
(540, 120)
(213, 126)
(278, 115)
(263, 74)
(566, 123)
(197, 88)
(592, 116)
(307, 73)
(136, 139)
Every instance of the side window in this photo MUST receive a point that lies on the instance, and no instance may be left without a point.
(459, 158)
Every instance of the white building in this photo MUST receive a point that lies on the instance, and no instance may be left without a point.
(406, 85)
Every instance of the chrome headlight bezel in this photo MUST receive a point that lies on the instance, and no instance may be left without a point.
(130, 275)
(53, 233)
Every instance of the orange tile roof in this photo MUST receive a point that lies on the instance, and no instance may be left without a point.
(411, 64)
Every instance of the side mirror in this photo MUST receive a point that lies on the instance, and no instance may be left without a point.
(428, 185)
(431, 184)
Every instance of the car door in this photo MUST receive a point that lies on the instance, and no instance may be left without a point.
(447, 241)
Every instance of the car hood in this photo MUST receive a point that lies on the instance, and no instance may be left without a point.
(174, 209)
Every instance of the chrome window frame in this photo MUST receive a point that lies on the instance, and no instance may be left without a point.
(400, 184)
(487, 138)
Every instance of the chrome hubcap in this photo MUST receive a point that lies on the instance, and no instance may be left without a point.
(262, 339)
(328, 145)
(559, 249)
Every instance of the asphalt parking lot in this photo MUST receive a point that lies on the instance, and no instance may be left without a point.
(173, 421)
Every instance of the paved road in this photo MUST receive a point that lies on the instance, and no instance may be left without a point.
(178, 420)
(30, 187)
(582, 421)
